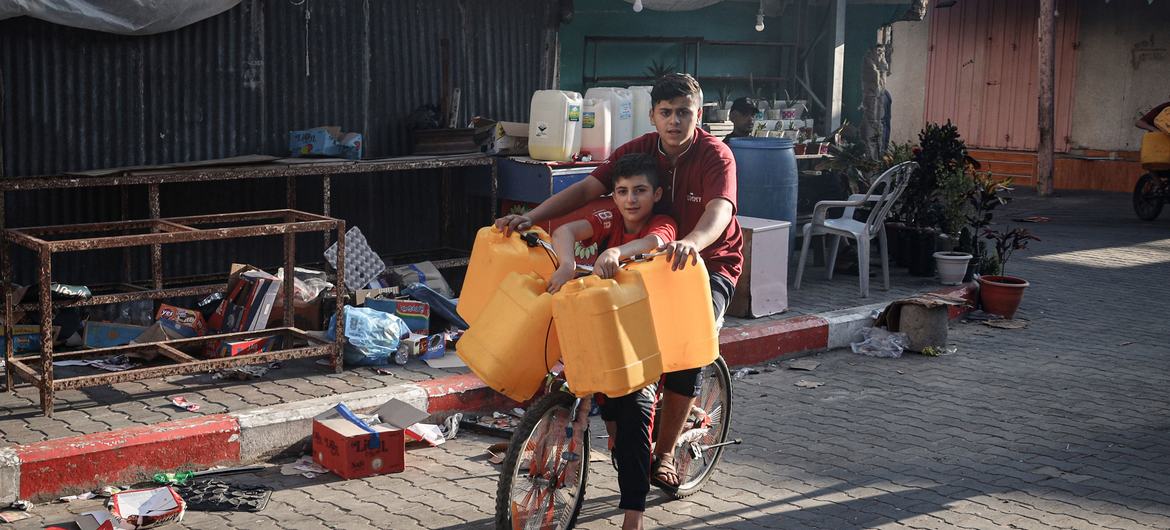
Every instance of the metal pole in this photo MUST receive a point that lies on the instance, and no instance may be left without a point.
(156, 268)
(838, 61)
(1046, 45)
(46, 302)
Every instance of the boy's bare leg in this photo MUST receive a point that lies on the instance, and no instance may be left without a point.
(632, 520)
(675, 409)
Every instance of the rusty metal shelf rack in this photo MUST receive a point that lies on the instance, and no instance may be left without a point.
(46, 241)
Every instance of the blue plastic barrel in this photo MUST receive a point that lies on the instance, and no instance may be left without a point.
(767, 179)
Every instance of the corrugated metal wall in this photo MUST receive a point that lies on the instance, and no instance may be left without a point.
(235, 84)
(983, 75)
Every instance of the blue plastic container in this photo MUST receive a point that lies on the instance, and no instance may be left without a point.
(767, 179)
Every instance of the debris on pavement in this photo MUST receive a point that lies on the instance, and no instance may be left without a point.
(170, 479)
(497, 452)
(979, 315)
(496, 424)
(353, 448)
(1007, 323)
(211, 495)
(117, 363)
(808, 384)
(99, 520)
(807, 365)
(877, 342)
(426, 432)
(744, 372)
(935, 351)
(147, 508)
(451, 425)
(303, 466)
(244, 373)
(21, 505)
(12, 516)
(183, 403)
(109, 491)
(79, 497)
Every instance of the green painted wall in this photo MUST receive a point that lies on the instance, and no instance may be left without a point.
(725, 21)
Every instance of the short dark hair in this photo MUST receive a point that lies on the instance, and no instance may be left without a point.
(671, 86)
(635, 164)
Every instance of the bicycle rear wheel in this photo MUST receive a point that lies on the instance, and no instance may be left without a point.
(542, 484)
(708, 424)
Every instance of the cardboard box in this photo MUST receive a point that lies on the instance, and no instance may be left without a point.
(326, 142)
(24, 339)
(100, 520)
(147, 508)
(352, 449)
(248, 304)
(232, 348)
(185, 323)
(424, 346)
(417, 315)
(109, 334)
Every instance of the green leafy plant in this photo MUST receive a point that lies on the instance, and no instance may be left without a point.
(1007, 242)
(940, 151)
(987, 193)
(724, 97)
(659, 69)
(955, 187)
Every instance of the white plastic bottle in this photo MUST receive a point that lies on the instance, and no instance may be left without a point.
(596, 136)
(554, 125)
(621, 106)
(642, 107)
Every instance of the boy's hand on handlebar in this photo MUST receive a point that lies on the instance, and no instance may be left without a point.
(558, 278)
(679, 252)
(606, 266)
(513, 223)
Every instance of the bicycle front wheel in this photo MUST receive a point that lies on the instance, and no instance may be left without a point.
(542, 484)
(707, 425)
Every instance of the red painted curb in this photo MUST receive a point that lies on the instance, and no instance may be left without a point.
(462, 392)
(765, 341)
(83, 463)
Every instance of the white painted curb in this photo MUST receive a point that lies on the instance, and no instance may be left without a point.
(845, 323)
(269, 430)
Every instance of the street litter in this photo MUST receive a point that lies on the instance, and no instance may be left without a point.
(451, 425)
(108, 491)
(353, 448)
(79, 497)
(427, 432)
(21, 505)
(181, 402)
(12, 516)
(116, 363)
(304, 466)
(877, 342)
(497, 452)
(170, 479)
(99, 520)
(244, 373)
(1007, 323)
(147, 508)
(808, 384)
(807, 365)
(502, 425)
(212, 495)
(744, 372)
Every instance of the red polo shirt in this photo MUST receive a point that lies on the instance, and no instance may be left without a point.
(706, 171)
(609, 229)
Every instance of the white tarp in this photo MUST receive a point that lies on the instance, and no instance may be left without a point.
(124, 17)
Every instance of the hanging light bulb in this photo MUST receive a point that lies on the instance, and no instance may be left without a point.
(760, 17)
(637, 6)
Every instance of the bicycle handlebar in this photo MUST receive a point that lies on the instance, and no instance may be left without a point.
(533, 241)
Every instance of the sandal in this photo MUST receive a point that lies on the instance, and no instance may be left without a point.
(663, 473)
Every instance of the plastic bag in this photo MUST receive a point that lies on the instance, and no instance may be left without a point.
(307, 283)
(372, 336)
(877, 342)
(138, 313)
(443, 313)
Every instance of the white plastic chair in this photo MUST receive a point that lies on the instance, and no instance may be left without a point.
(882, 194)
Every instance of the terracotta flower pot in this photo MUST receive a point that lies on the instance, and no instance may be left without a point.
(1001, 295)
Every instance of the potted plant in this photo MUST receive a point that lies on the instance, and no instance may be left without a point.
(1001, 294)
(940, 151)
(955, 187)
(724, 111)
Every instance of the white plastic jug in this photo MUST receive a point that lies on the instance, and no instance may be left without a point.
(596, 136)
(642, 107)
(621, 107)
(554, 126)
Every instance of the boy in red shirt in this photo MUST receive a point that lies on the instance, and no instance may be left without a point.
(627, 229)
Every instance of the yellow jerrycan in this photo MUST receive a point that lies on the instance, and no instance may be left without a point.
(514, 343)
(606, 335)
(1156, 151)
(684, 322)
(493, 257)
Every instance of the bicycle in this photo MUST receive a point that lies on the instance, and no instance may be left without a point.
(546, 468)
